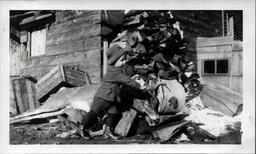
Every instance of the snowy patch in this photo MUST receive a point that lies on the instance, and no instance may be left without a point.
(214, 122)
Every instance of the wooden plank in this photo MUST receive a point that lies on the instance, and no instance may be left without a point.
(48, 82)
(28, 45)
(222, 99)
(88, 44)
(81, 14)
(18, 95)
(24, 94)
(37, 72)
(215, 55)
(213, 41)
(31, 101)
(40, 116)
(78, 33)
(27, 20)
(73, 24)
(124, 125)
(63, 58)
(166, 132)
(37, 103)
(214, 49)
(13, 106)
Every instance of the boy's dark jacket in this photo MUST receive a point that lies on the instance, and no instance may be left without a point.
(111, 82)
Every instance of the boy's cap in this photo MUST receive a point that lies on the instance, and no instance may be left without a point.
(114, 53)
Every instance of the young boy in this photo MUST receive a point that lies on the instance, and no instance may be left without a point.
(107, 94)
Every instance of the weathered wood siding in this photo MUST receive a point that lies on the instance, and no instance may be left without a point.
(222, 48)
(74, 38)
(14, 57)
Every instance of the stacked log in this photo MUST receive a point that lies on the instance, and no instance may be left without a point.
(157, 42)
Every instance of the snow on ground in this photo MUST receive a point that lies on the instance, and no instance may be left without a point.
(214, 122)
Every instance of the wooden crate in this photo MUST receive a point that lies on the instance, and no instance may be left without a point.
(22, 95)
(60, 74)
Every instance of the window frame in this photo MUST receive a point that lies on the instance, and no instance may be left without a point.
(215, 67)
(29, 41)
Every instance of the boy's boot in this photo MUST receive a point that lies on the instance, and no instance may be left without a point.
(86, 122)
(108, 133)
(84, 132)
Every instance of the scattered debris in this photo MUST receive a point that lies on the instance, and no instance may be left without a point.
(62, 99)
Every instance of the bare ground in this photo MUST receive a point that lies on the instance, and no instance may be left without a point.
(46, 134)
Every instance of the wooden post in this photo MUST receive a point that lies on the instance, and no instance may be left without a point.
(231, 27)
(105, 59)
(223, 23)
(29, 45)
(228, 30)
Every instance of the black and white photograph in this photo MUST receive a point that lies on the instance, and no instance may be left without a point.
(129, 76)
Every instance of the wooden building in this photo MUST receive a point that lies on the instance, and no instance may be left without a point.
(207, 23)
(220, 59)
(40, 40)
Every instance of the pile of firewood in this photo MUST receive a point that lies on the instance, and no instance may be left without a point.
(156, 38)
(157, 41)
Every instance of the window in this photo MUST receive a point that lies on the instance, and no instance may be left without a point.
(38, 42)
(222, 66)
(209, 66)
(215, 67)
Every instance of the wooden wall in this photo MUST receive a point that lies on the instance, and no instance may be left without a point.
(14, 57)
(222, 48)
(74, 38)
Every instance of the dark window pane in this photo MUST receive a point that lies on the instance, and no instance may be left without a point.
(209, 66)
(222, 66)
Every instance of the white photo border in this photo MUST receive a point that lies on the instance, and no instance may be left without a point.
(248, 113)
